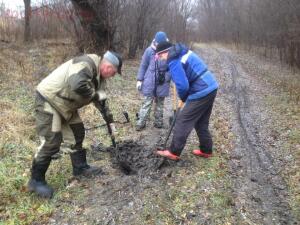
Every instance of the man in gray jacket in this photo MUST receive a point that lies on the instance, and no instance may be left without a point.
(74, 84)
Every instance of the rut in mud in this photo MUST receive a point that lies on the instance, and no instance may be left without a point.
(260, 192)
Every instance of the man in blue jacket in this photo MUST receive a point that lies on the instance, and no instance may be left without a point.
(197, 87)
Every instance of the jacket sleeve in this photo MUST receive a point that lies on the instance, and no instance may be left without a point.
(81, 83)
(103, 108)
(179, 78)
(144, 65)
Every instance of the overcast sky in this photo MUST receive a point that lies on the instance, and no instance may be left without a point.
(13, 4)
(16, 4)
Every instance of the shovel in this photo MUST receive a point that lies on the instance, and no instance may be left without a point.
(112, 137)
(124, 166)
(171, 118)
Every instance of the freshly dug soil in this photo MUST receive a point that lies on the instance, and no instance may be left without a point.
(133, 158)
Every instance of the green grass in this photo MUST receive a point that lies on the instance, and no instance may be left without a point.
(18, 142)
(17, 205)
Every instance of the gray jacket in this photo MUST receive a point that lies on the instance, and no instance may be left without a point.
(149, 74)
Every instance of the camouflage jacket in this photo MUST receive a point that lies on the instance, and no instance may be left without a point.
(75, 84)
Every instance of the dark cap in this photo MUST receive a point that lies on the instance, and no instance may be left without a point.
(160, 36)
(163, 47)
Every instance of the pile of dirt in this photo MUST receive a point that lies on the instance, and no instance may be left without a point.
(133, 158)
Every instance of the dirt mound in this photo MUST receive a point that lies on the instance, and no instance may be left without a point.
(133, 158)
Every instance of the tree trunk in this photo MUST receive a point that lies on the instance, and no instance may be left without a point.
(93, 18)
(27, 20)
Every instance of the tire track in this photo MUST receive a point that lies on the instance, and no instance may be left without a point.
(260, 192)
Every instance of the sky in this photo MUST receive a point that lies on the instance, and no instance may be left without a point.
(16, 5)
(13, 4)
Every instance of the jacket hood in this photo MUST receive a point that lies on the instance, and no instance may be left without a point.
(183, 49)
(177, 51)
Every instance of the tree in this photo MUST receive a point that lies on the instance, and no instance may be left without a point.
(27, 4)
(94, 20)
(270, 25)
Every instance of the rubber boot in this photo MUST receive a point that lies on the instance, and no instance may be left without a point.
(80, 166)
(37, 183)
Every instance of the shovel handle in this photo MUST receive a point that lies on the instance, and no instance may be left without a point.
(177, 111)
(179, 104)
(113, 141)
(174, 98)
(112, 137)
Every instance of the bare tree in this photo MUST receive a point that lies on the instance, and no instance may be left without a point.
(27, 4)
(93, 16)
(141, 19)
(271, 25)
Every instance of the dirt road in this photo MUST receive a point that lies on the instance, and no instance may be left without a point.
(259, 190)
(252, 184)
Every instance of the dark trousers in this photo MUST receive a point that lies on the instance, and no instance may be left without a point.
(51, 141)
(195, 114)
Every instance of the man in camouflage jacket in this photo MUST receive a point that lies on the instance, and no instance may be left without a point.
(74, 84)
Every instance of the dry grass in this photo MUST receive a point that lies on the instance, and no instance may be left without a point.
(22, 67)
(20, 71)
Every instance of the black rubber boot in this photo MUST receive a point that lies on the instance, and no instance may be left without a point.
(37, 183)
(80, 166)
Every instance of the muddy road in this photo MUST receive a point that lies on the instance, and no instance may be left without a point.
(138, 192)
(259, 190)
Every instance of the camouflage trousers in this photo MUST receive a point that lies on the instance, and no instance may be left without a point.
(55, 133)
(146, 108)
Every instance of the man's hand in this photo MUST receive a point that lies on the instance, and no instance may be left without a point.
(180, 104)
(113, 129)
(139, 85)
(100, 96)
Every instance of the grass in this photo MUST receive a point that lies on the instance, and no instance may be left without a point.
(286, 116)
(197, 194)
(18, 141)
(20, 72)
(200, 193)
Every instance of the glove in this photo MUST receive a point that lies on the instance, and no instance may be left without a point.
(139, 85)
(100, 96)
(113, 129)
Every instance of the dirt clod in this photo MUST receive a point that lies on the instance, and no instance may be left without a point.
(133, 158)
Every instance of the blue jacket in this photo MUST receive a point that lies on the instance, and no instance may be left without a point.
(190, 74)
(146, 74)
